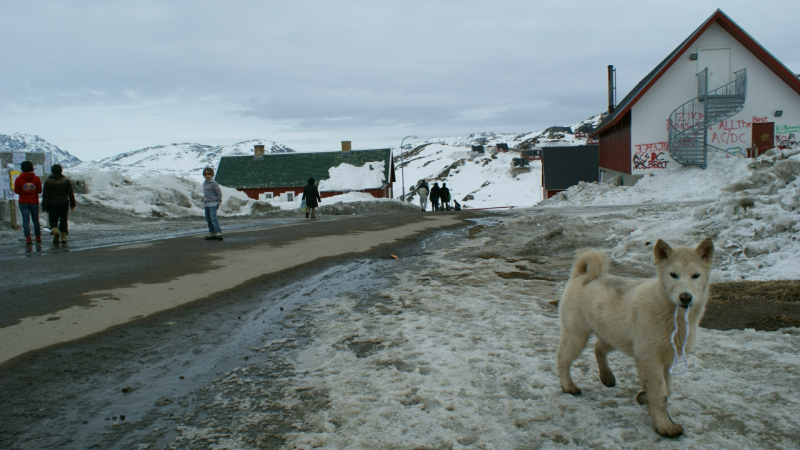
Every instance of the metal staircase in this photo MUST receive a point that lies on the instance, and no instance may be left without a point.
(688, 124)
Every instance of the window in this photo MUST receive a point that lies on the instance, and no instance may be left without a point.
(290, 196)
(266, 196)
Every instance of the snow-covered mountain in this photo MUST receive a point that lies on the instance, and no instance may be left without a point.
(31, 143)
(556, 135)
(487, 180)
(178, 159)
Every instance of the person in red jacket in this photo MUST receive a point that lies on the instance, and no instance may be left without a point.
(29, 186)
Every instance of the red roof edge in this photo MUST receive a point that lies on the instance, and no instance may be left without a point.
(740, 35)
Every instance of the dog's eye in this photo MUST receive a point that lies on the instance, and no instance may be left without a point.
(673, 275)
(696, 276)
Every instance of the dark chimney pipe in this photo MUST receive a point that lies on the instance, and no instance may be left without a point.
(612, 89)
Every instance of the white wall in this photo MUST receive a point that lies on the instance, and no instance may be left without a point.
(766, 93)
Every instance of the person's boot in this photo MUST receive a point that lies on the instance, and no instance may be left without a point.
(64, 237)
(28, 240)
(54, 231)
(38, 238)
(218, 236)
(211, 236)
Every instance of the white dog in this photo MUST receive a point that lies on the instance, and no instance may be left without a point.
(635, 317)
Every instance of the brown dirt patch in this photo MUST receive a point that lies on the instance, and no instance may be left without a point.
(762, 305)
(471, 234)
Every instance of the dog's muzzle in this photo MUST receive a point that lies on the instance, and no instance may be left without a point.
(686, 300)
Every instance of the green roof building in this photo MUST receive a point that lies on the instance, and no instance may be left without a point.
(284, 174)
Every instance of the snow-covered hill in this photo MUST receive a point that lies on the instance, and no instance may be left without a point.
(31, 143)
(182, 160)
(483, 181)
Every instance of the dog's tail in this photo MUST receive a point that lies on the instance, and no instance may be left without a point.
(591, 263)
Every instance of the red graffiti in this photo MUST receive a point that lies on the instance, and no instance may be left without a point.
(642, 149)
(728, 137)
(760, 119)
(730, 125)
(649, 161)
(685, 120)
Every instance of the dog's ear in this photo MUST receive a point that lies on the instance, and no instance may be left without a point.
(705, 250)
(662, 251)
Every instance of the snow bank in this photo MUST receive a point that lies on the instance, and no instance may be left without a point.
(155, 195)
(753, 212)
(676, 183)
(349, 197)
(347, 177)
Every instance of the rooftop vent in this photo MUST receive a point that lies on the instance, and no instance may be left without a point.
(259, 151)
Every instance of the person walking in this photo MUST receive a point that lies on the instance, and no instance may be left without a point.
(212, 199)
(435, 197)
(312, 198)
(58, 199)
(422, 190)
(444, 194)
(29, 186)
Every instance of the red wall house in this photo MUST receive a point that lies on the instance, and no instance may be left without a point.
(615, 146)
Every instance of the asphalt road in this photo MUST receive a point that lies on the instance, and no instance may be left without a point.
(74, 291)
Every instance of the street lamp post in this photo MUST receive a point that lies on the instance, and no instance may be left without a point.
(402, 165)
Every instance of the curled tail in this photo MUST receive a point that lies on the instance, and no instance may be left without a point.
(591, 263)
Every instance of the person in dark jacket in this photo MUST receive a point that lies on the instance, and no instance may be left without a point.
(444, 195)
(58, 199)
(311, 196)
(435, 197)
(28, 186)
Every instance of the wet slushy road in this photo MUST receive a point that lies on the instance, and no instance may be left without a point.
(126, 386)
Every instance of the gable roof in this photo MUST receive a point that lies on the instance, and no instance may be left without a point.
(734, 30)
(277, 170)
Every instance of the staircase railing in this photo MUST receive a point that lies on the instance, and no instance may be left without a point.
(688, 124)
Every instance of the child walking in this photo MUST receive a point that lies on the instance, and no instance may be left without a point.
(212, 198)
(29, 186)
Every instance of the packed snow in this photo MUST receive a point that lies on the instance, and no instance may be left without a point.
(463, 359)
(347, 177)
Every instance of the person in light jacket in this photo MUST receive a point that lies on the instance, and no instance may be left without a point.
(212, 199)
(312, 198)
(423, 192)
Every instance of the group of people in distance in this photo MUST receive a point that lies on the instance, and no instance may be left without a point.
(439, 196)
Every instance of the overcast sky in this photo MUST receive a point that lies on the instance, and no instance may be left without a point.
(97, 78)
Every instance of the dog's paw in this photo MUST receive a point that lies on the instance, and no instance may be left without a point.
(608, 379)
(574, 390)
(641, 398)
(671, 430)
